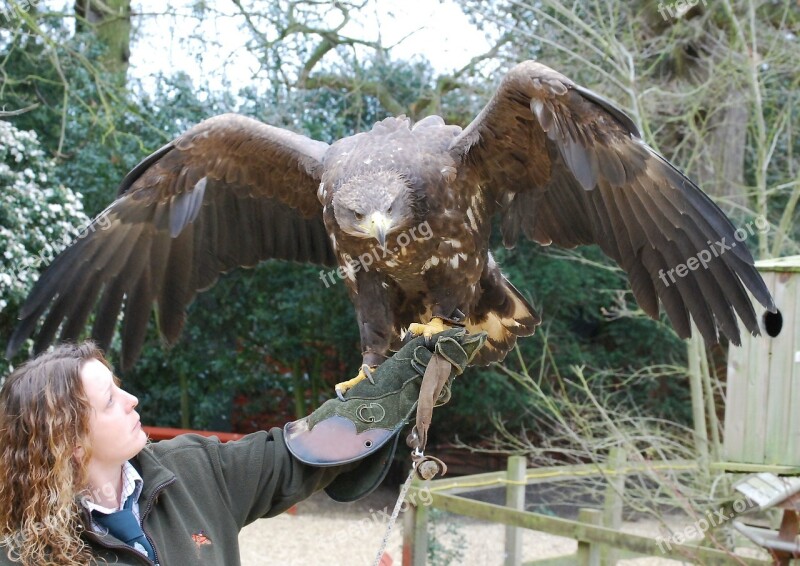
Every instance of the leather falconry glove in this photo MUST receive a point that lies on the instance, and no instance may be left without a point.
(366, 425)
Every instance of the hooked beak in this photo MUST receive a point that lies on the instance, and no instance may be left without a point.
(379, 226)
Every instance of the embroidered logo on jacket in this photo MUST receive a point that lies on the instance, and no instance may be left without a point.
(200, 538)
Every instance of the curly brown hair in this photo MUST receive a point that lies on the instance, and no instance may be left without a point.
(44, 416)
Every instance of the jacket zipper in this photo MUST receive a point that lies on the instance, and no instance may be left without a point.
(121, 547)
(150, 502)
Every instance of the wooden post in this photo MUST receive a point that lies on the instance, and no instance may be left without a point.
(711, 408)
(515, 498)
(415, 532)
(695, 349)
(612, 508)
(588, 553)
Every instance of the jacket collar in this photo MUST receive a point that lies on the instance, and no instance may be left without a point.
(155, 475)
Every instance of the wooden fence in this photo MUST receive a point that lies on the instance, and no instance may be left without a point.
(165, 433)
(597, 531)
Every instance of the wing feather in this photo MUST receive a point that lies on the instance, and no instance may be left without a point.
(644, 290)
(176, 287)
(567, 167)
(136, 317)
(229, 192)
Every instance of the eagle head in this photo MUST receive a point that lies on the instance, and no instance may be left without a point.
(374, 204)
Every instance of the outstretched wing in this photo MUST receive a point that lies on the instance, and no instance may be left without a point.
(566, 167)
(229, 192)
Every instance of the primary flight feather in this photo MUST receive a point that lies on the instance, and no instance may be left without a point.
(552, 160)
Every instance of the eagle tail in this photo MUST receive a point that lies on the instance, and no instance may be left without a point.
(507, 316)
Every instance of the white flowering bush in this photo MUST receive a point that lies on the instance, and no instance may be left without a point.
(37, 218)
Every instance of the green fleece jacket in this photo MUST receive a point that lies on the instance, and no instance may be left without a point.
(198, 493)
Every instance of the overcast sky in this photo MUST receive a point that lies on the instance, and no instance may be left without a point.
(440, 31)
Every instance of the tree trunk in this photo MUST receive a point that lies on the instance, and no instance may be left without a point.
(111, 22)
(722, 175)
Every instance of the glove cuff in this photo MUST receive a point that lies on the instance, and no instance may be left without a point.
(366, 477)
(335, 442)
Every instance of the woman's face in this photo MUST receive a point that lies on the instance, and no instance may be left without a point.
(115, 432)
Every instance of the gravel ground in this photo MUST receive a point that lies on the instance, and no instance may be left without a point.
(325, 532)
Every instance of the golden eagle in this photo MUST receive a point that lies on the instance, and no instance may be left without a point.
(405, 213)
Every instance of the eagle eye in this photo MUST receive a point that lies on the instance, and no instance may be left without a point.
(358, 216)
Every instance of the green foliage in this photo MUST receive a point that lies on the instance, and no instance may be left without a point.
(346, 99)
(278, 329)
(243, 337)
(243, 334)
(698, 85)
(577, 297)
(38, 219)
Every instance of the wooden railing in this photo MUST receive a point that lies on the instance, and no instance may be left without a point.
(597, 531)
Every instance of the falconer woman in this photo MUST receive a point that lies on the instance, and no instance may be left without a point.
(80, 483)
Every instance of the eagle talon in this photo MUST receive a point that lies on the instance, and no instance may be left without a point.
(367, 371)
(435, 326)
(364, 373)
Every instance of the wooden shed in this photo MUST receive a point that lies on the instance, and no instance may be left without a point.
(762, 409)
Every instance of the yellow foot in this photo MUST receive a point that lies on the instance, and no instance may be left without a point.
(435, 326)
(364, 373)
